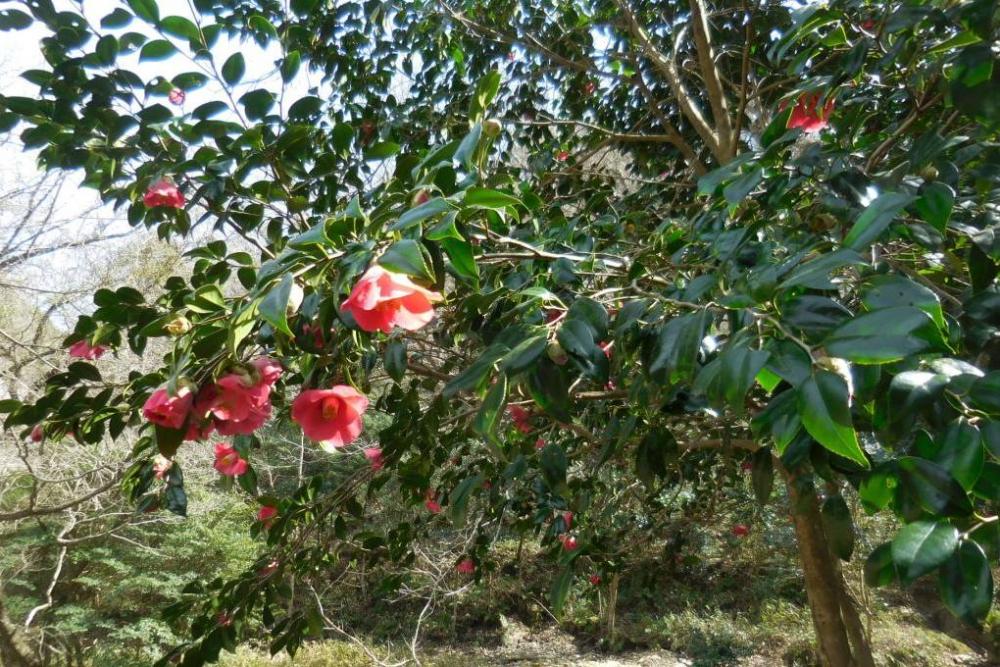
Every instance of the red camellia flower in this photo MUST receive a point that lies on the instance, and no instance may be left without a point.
(540, 444)
(223, 619)
(331, 416)
(176, 96)
(741, 530)
(595, 579)
(807, 116)
(466, 566)
(382, 300)
(569, 542)
(37, 433)
(430, 501)
(606, 348)
(521, 418)
(228, 461)
(266, 514)
(746, 466)
(374, 456)
(168, 411)
(567, 517)
(163, 193)
(81, 349)
(562, 156)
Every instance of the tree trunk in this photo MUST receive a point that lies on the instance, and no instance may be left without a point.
(9, 653)
(839, 633)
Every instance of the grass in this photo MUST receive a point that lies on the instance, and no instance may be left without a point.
(712, 613)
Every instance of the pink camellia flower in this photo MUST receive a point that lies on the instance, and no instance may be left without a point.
(176, 96)
(161, 466)
(81, 349)
(605, 348)
(595, 579)
(330, 415)
(807, 116)
(430, 501)
(521, 418)
(228, 461)
(266, 514)
(37, 433)
(466, 566)
(374, 456)
(562, 156)
(269, 369)
(382, 300)
(239, 408)
(567, 518)
(569, 542)
(163, 193)
(741, 530)
(168, 411)
(540, 444)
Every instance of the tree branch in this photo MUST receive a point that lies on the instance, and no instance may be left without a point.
(713, 81)
(668, 67)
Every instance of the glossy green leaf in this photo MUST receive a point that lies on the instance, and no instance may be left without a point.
(406, 257)
(875, 219)
(492, 408)
(922, 546)
(882, 336)
(932, 487)
(823, 409)
(274, 307)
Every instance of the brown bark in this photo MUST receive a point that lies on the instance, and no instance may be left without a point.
(822, 583)
(860, 641)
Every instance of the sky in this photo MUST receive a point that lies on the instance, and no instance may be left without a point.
(82, 206)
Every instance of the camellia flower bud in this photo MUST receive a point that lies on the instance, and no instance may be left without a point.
(492, 127)
(178, 326)
(556, 353)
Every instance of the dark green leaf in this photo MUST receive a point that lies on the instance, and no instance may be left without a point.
(875, 219)
(395, 359)
(932, 487)
(234, 68)
(966, 583)
(158, 49)
(923, 546)
(838, 526)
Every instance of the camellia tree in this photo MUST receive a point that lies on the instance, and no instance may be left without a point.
(562, 246)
